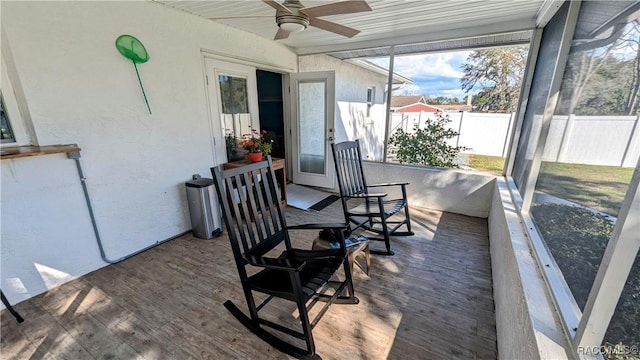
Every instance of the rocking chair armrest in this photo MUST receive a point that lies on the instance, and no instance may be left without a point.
(277, 264)
(366, 196)
(389, 184)
(318, 226)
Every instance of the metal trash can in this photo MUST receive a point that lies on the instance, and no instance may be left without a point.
(203, 208)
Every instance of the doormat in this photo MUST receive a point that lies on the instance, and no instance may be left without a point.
(324, 202)
(302, 197)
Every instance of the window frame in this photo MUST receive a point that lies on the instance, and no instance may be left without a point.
(3, 109)
(585, 330)
(564, 301)
(15, 105)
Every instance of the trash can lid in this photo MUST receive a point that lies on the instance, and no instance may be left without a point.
(199, 183)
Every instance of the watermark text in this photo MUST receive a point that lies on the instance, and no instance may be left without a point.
(609, 350)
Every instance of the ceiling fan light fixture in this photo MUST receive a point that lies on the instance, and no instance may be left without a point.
(292, 23)
(292, 27)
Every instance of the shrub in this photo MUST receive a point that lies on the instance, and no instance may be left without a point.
(427, 146)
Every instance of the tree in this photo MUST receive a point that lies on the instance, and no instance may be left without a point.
(602, 76)
(497, 75)
(427, 146)
(443, 100)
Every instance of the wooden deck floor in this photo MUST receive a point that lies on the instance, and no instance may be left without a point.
(432, 300)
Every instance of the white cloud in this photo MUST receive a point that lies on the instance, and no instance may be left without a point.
(444, 64)
(433, 74)
(409, 89)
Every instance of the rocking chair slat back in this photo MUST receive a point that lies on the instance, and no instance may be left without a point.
(349, 169)
(253, 211)
(373, 211)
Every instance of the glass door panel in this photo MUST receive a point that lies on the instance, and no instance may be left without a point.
(313, 112)
(312, 104)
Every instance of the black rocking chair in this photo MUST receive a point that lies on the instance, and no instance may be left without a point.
(255, 222)
(373, 210)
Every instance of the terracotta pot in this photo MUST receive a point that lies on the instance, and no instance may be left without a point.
(255, 157)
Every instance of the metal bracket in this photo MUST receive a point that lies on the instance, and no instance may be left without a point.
(75, 155)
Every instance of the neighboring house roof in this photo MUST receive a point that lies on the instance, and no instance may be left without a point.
(397, 78)
(456, 108)
(400, 101)
(418, 107)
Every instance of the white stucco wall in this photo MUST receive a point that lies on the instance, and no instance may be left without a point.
(527, 324)
(80, 90)
(351, 120)
(457, 191)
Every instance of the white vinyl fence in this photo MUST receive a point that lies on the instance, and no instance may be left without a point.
(480, 133)
(594, 140)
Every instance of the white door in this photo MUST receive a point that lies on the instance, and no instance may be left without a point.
(312, 125)
(233, 100)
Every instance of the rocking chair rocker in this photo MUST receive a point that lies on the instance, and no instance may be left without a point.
(255, 224)
(374, 209)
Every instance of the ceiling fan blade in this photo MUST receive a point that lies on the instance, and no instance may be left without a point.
(341, 7)
(276, 5)
(239, 17)
(333, 27)
(281, 34)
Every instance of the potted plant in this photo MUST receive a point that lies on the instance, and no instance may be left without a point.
(256, 145)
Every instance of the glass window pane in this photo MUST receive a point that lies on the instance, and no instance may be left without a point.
(234, 104)
(312, 127)
(538, 95)
(458, 112)
(589, 155)
(5, 125)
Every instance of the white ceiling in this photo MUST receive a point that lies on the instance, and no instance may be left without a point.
(391, 22)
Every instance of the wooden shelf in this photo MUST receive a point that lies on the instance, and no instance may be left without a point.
(25, 151)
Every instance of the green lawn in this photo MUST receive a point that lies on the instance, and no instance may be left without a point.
(597, 187)
(491, 164)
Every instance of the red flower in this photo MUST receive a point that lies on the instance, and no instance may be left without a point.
(255, 142)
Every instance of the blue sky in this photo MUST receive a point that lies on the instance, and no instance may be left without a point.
(433, 74)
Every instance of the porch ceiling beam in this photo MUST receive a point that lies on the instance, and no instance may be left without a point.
(424, 35)
(548, 9)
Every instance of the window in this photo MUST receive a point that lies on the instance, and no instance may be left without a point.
(235, 105)
(538, 95)
(574, 162)
(433, 124)
(371, 93)
(5, 124)
(236, 119)
(583, 177)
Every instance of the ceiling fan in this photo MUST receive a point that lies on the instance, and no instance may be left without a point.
(292, 16)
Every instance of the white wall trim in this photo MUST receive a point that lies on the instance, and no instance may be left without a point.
(245, 61)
